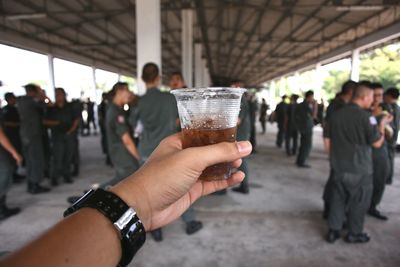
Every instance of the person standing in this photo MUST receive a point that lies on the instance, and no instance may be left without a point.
(30, 108)
(189, 216)
(11, 128)
(390, 104)
(253, 108)
(65, 124)
(243, 134)
(291, 134)
(7, 154)
(304, 119)
(380, 158)
(350, 134)
(102, 111)
(123, 152)
(158, 113)
(341, 100)
(263, 115)
(280, 113)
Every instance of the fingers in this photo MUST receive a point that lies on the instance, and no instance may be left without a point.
(218, 153)
(214, 186)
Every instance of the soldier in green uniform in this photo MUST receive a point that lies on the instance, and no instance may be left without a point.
(380, 158)
(189, 216)
(65, 123)
(30, 108)
(350, 134)
(391, 97)
(243, 134)
(280, 113)
(123, 152)
(291, 134)
(7, 154)
(341, 100)
(304, 120)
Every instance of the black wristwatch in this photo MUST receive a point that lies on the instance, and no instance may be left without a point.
(123, 217)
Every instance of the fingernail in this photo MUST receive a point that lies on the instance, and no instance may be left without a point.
(244, 146)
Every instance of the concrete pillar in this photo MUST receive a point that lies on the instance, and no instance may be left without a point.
(96, 100)
(204, 73)
(355, 65)
(52, 83)
(296, 82)
(148, 37)
(282, 86)
(272, 94)
(318, 79)
(198, 66)
(187, 46)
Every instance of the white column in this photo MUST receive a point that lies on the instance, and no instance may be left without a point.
(52, 85)
(187, 46)
(148, 37)
(318, 82)
(296, 83)
(198, 66)
(96, 100)
(204, 73)
(355, 65)
(282, 86)
(272, 99)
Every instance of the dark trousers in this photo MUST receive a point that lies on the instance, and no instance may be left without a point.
(63, 149)
(351, 195)
(280, 135)
(244, 168)
(381, 166)
(291, 137)
(305, 147)
(392, 154)
(253, 140)
(328, 188)
(33, 151)
(263, 126)
(6, 175)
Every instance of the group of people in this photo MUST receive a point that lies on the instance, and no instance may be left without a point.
(360, 134)
(41, 136)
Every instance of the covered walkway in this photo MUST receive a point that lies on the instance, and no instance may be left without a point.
(278, 224)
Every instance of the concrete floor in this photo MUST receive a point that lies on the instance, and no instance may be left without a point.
(278, 224)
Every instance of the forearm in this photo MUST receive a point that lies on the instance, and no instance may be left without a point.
(74, 126)
(327, 145)
(130, 145)
(86, 238)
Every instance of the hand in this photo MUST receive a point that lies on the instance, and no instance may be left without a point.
(168, 184)
(18, 158)
(387, 119)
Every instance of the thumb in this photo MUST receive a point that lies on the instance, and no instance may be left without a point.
(218, 153)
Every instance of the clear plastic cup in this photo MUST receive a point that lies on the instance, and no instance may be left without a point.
(209, 116)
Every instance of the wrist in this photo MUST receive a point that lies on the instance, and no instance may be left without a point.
(135, 197)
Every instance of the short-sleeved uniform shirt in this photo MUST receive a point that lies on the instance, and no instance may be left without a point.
(334, 106)
(352, 132)
(280, 112)
(158, 113)
(116, 127)
(303, 117)
(65, 115)
(30, 112)
(244, 128)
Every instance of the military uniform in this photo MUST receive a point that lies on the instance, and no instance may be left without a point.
(337, 104)
(62, 141)
(381, 168)
(280, 113)
(304, 124)
(123, 161)
(158, 112)
(392, 143)
(291, 134)
(243, 134)
(253, 107)
(6, 168)
(352, 131)
(31, 132)
(11, 115)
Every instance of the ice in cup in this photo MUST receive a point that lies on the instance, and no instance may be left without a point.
(209, 116)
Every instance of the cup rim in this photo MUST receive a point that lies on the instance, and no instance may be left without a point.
(227, 90)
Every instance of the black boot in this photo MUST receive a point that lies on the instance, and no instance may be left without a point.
(377, 214)
(35, 188)
(157, 235)
(241, 189)
(193, 226)
(357, 238)
(332, 236)
(6, 212)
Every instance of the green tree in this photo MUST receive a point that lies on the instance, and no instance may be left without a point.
(382, 65)
(333, 83)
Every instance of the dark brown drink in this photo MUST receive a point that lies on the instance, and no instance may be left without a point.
(203, 137)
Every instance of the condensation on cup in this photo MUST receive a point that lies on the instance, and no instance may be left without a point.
(209, 116)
